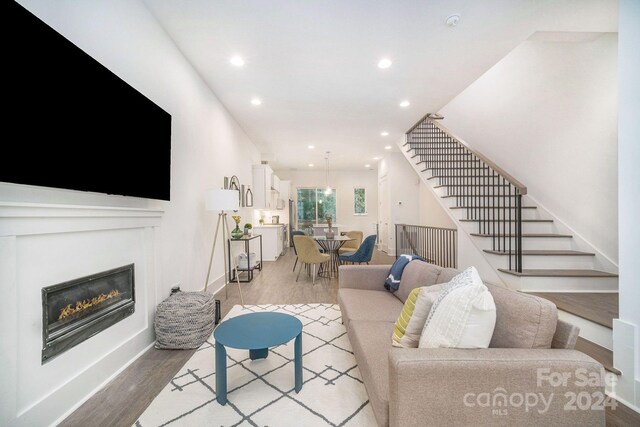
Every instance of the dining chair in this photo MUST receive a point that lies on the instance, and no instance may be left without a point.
(296, 233)
(351, 245)
(363, 254)
(309, 254)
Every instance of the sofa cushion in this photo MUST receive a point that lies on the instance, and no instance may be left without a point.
(357, 304)
(446, 274)
(371, 342)
(416, 274)
(408, 327)
(463, 316)
(522, 321)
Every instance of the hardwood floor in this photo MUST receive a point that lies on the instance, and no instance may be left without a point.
(125, 398)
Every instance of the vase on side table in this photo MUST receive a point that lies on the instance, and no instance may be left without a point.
(237, 233)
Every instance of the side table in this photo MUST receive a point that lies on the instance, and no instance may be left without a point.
(256, 332)
(247, 249)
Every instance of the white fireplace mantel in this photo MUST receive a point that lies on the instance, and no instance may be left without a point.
(44, 244)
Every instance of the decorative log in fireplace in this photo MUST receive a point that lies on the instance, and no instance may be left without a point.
(76, 310)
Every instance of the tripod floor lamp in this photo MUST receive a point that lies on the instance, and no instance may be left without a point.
(222, 201)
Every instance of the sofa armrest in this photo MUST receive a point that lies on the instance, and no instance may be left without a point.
(369, 277)
(494, 387)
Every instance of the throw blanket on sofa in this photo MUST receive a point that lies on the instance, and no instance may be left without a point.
(393, 280)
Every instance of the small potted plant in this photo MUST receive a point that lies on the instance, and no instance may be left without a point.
(247, 229)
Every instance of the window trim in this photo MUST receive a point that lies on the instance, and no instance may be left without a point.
(316, 189)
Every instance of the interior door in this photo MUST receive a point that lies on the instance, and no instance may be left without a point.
(383, 213)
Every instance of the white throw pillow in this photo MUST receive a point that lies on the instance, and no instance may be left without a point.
(463, 316)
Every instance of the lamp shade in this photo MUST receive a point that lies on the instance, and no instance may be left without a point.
(222, 200)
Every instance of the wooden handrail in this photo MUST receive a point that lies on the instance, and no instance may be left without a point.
(425, 117)
(522, 189)
(426, 226)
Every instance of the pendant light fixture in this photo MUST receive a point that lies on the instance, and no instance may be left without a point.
(328, 190)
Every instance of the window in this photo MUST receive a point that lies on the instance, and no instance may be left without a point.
(359, 201)
(314, 205)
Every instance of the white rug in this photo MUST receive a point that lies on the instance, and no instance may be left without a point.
(260, 392)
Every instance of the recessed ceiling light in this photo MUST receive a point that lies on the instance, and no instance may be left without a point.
(452, 20)
(384, 63)
(311, 147)
(310, 165)
(256, 101)
(405, 103)
(237, 61)
(387, 147)
(384, 133)
(367, 166)
(376, 158)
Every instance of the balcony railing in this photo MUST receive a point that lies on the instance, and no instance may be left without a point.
(436, 245)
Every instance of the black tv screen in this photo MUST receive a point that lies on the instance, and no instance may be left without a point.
(73, 123)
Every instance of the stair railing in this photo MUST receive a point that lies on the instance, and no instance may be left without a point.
(488, 194)
(437, 245)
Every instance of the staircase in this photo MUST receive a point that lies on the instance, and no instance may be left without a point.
(530, 250)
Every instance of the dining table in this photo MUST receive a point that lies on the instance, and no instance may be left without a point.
(330, 247)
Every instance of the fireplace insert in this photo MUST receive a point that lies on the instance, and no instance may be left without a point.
(76, 310)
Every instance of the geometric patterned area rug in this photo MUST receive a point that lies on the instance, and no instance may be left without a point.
(261, 392)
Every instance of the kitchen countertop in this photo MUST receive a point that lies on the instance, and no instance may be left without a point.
(268, 225)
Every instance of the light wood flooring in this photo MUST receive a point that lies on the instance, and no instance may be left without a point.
(125, 398)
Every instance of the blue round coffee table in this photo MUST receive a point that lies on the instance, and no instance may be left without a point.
(256, 332)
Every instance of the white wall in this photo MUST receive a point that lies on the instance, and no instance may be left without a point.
(626, 330)
(207, 144)
(547, 114)
(404, 194)
(344, 182)
(431, 212)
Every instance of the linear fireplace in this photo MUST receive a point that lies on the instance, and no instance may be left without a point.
(76, 310)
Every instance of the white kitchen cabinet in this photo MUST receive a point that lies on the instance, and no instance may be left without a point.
(272, 240)
(285, 189)
(262, 194)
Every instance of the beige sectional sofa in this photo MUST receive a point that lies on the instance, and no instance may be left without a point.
(530, 375)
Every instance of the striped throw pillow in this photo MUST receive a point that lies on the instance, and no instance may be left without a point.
(408, 327)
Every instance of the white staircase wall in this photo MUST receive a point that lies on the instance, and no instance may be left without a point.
(547, 114)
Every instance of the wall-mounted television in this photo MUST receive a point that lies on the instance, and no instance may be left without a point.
(71, 123)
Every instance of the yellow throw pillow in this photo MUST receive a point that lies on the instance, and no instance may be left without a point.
(408, 327)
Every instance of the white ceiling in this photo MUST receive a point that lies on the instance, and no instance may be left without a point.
(313, 63)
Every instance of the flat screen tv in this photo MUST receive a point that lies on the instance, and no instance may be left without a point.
(74, 124)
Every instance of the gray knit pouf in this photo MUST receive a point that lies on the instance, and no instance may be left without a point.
(185, 320)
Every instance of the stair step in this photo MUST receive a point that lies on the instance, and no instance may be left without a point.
(558, 273)
(448, 196)
(457, 168)
(527, 235)
(601, 354)
(428, 131)
(431, 153)
(453, 151)
(447, 161)
(471, 185)
(600, 308)
(434, 144)
(460, 176)
(542, 252)
(500, 220)
(481, 207)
